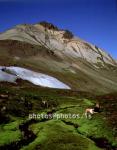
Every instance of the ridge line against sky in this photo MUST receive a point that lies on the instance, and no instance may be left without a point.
(94, 21)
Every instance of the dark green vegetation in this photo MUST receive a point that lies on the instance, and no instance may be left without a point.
(17, 131)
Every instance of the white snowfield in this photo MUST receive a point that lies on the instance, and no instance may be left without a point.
(7, 77)
(31, 76)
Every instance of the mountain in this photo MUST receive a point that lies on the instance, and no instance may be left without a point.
(45, 48)
(47, 35)
(49, 80)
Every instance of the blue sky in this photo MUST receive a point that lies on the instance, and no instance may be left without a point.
(92, 20)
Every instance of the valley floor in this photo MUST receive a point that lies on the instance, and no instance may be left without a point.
(19, 132)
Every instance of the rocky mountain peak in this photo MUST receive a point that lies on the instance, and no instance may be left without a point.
(60, 41)
(45, 48)
(49, 25)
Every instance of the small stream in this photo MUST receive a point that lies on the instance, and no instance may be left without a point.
(102, 143)
(28, 137)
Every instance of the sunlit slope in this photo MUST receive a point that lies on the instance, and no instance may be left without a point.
(46, 49)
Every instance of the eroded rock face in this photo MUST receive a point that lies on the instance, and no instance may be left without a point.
(49, 36)
(43, 48)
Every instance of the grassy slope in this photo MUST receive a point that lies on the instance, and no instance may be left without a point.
(41, 59)
(52, 134)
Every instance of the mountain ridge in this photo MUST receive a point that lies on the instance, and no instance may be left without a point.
(77, 63)
(53, 38)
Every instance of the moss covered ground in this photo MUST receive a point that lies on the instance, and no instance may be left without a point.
(53, 133)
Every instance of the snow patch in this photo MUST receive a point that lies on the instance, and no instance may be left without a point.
(7, 77)
(31, 76)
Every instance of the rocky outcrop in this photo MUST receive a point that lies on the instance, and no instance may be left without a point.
(50, 36)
